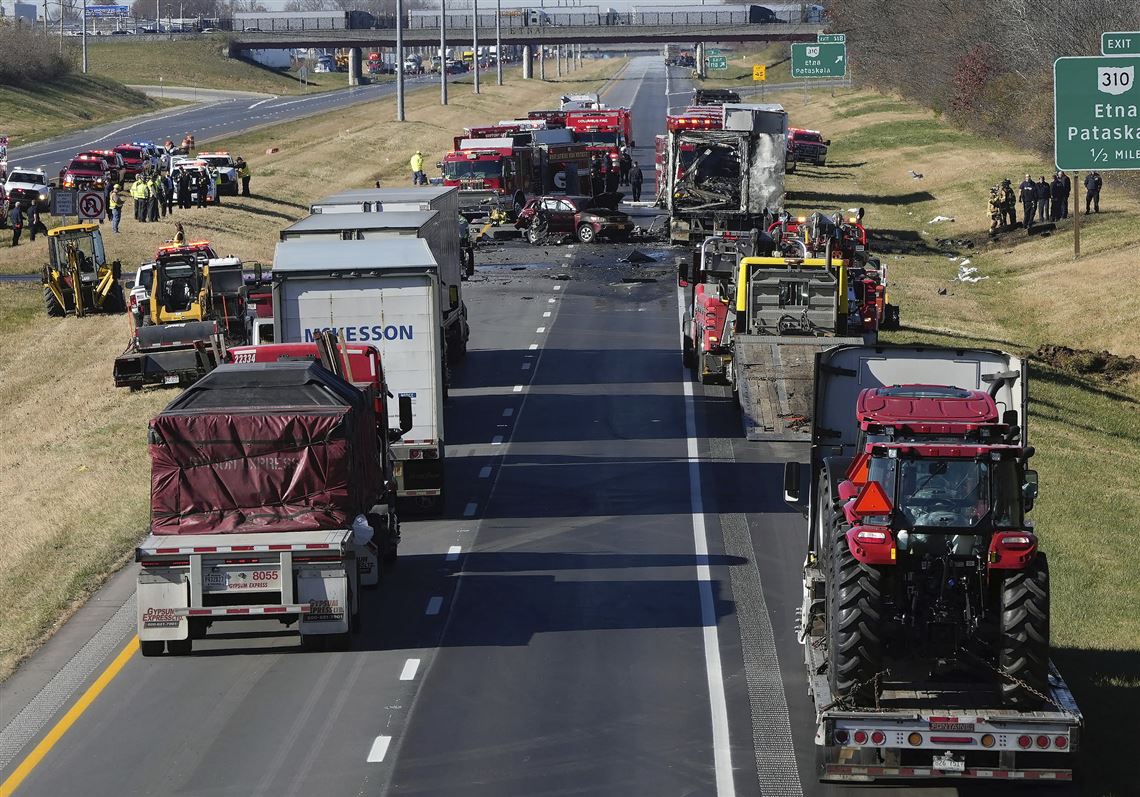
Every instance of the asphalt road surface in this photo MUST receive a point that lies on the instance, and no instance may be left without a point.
(606, 607)
(210, 119)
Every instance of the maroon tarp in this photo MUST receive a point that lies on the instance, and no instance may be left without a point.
(272, 469)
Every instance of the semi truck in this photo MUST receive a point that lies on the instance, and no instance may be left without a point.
(384, 293)
(269, 500)
(442, 232)
(925, 610)
(723, 169)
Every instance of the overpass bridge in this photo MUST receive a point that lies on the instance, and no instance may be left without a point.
(534, 36)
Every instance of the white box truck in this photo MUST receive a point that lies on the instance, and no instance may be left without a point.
(383, 292)
(439, 230)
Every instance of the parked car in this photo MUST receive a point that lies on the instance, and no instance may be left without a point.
(589, 218)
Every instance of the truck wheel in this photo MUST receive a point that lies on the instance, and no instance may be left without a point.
(854, 622)
(688, 356)
(152, 647)
(1023, 645)
(586, 233)
(52, 305)
(179, 647)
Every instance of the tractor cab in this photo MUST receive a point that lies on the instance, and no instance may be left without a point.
(188, 283)
(77, 278)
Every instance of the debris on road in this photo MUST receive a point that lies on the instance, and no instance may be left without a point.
(636, 257)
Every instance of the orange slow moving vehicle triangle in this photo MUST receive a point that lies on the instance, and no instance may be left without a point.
(872, 500)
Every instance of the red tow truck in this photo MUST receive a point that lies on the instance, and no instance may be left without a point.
(605, 130)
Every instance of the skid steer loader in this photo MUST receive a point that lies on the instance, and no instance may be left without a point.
(77, 279)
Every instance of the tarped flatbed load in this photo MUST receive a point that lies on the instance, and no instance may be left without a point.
(264, 447)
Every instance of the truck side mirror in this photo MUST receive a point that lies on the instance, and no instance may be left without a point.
(405, 414)
(792, 482)
(1031, 489)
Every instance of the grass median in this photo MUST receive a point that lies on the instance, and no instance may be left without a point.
(73, 466)
(1084, 408)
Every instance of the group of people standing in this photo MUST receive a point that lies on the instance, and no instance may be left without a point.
(1041, 201)
(25, 215)
(606, 176)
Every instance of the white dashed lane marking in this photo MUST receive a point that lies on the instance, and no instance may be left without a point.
(411, 667)
(379, 749)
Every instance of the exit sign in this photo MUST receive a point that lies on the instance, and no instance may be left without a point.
(831, 38)
(1120, 43)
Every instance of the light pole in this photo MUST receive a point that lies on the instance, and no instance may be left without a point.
(85, 37)
(475, 41)
(442, 53)
(498, 42)
(399, 60)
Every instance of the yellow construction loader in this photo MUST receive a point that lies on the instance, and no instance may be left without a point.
(77, 279)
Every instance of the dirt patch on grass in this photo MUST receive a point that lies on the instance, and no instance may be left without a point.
(1103, 364)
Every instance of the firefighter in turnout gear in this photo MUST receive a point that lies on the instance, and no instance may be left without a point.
(995, 211)
(1008, 201)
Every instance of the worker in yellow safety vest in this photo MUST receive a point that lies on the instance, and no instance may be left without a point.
(115, 205)
(140, 192)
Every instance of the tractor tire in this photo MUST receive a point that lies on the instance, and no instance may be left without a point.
(586, 234)
(1023, 642)
(52, 305)
(854, 622)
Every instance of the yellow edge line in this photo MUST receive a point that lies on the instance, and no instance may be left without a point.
(67, 720)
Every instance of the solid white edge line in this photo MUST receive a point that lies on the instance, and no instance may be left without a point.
(718, 705)
(411, 666)
(453, 553)
(379, 749)
(434, 605)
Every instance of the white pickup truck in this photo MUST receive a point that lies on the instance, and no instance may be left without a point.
(28, 185)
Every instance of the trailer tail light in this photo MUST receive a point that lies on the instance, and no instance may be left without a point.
(878, 738)
(1024, 742)
(1043, 742)
(1061, 742)
(988, 740)
(167, 563)
(860, 737)
(841, 737)
(914, 739)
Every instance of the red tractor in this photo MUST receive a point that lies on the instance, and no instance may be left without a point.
(930, 564)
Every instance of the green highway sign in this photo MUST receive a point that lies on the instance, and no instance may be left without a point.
(1096, 113)
(717, 62)
(1120, 43)
(819, 60)
(831, 38)
(712, 51)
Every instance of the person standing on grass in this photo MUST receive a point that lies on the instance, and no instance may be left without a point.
(115, 205)
(635, 180)
(417, 165)
(1092, 192)
(1057, 190)
(32, 220)
(1043, 195)
(16, 219)
(1066, 192)
(184, 189)
(1008, 202)
(1027, 193)
(167, 193)
(244, 174)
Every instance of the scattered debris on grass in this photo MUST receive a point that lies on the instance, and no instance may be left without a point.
(1088, 363)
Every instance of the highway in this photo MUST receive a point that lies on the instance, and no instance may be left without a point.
(606, 607)
(209, 119)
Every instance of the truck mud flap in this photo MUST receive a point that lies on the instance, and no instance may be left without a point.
(159, 595)
(326, 591)
(172, 366)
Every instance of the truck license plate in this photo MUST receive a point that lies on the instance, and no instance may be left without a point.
(246, 579)
(948, 763)
(170, 380)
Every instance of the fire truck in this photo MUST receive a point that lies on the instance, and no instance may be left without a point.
(507, 164)
(604, 131)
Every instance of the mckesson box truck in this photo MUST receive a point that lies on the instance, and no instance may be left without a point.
(383, 292)
(439, 230)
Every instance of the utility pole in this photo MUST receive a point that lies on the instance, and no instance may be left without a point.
(85, 37)
(498, 42)
(442, 53)
(399, 60)
(475, 41)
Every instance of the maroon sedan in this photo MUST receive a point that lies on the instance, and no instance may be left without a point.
(584, 216)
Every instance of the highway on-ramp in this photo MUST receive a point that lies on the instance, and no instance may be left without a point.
(605, 608)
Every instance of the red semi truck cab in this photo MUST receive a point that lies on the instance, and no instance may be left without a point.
(602, 131)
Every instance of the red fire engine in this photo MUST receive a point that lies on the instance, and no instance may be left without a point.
(602, 131)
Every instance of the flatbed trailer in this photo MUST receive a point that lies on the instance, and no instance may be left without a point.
(922, 729)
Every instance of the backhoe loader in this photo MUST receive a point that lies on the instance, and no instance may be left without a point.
(77, 279)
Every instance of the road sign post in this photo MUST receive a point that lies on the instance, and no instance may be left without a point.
(63, 203)
(717, 62)
(819, 60)
(1096, 113)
